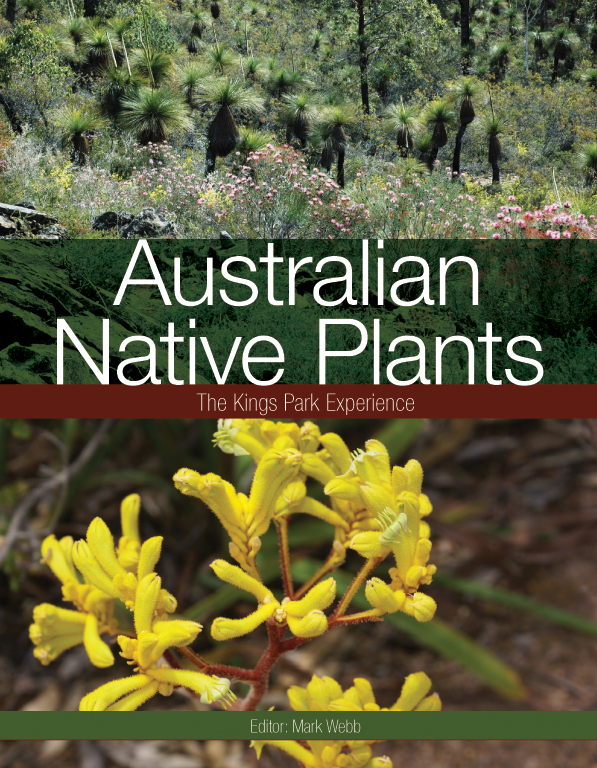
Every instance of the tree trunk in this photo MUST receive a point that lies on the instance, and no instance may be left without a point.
(457, 148)
(340, 174)
(363, 57)
(554, 74)
(495, 179)
(11, 113)
(465, 35)
(90, 7)
(210, 161)
(431, 158)
(11, 10)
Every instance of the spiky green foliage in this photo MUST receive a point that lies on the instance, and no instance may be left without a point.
(298, 112)
(252, 68)
(117, 85)
(76, 124)
(499, 59)
(332, 124)
(403, 122)
(438, 117)
(222, 134)
(587, 159)
(156, 68)
(220, 59)
(96, 47)
(251, 141)
(283, 81)
(590, 78)
(154, 113)
(189, 78)
(74, 28)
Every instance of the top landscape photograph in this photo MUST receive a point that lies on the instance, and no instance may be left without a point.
(303, 119)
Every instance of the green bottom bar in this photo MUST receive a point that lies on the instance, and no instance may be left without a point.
(298, 725)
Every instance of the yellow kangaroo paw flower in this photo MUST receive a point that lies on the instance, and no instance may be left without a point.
(430, 704)
(415, 688)
(100, 699)
(209, 687)
(234, 575)
(53, 554)
(101, 542)
(134, 700)
(129, 517)
(146, 601)
(89, 566)
(291, 748)
(149, 555)
(338, 451)
(311, 625)
(319, 598)
(226, 629)
(48, 650)
(99, 653)
(381, 596)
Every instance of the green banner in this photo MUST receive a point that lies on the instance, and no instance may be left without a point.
(351, 312)
(299, 725)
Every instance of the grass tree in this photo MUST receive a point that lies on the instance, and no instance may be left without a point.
(590, 78)
(220, 59)
(96, 47)
(298, 112)
(332, 129)
(117, 86)
(402, 122)
(464, 91)
(252, 68)
(153, 113)
(214, 9)
(438, 117)
(119, 26)
(494, 127)
(74, 28)
(195, 19)
(78, 125)
(424, 148)
(223, 134)
(564, 42)
(189, 78)
(251, 141)
(587, 158)
(156, 68)
(499, 59)
(282, 81)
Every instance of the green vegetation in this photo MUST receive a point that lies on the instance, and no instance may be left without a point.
(495, 100)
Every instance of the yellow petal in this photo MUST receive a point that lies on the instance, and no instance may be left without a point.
(100, 699)
(319, 597)
(146, 600)
(54, 556)
(414, 472)
(382, 597)
(226, 629)
(311, 625)
(368, 545)
(210, 687)
(48, 650)
(101, 542)
(291, 748)
(134, 700)
(129, 517)
(415, 688)
(338, 451)
(89, 566)
(149, 555)
(421, 606)
(430, 704)
(234, 575)
(99, 653)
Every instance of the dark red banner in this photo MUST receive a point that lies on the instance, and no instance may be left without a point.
(304, 401)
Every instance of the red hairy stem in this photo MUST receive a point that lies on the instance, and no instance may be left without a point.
(282, 526)
(264, 667)
(358, 580)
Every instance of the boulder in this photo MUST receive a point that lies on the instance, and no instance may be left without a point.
(53, 232)
(34, 218)
(150, 224)
(7, 227)
(27, 204)
(111, 220)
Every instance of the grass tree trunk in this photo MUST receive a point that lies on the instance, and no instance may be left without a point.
(457, 150)
(11, 113)
(340, 174)
(556, 64)
(90, 7)
(210, 161)
(327, 157)
(495, 178)
(465, 35)
(363, 57)
(431, 157)
(11, 10)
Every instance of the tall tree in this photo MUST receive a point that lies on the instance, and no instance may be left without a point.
(465, 35)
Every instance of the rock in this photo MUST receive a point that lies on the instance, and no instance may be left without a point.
(111, 220)
(27, 204)
(53, 232)
(7, 226)
(31, 215)
(226, 238)
(149, 224)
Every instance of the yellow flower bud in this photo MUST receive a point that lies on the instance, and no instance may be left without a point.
(425, 506)
(297, 697)
(368, 545)
(421, 606)
(321, 691)
(209, 687)
(149, 556)
(343, 488)
(380, 762)
(311, 625)
(422, 552)
(319, 597)
(415, 688)
(234, 575)
(99, 653)
(424, 529)
(381, 596)
(91, 569)
(226, 629)
(414, 473)
(430, 704)
(53, 554)
(309, 439)
(129, 517)
(101, 543)
(338, 451)
(314, 466)
(175, 632)
(273, 472)
(48, 650)
(146, 600)
(414, 575)
(134, 700)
